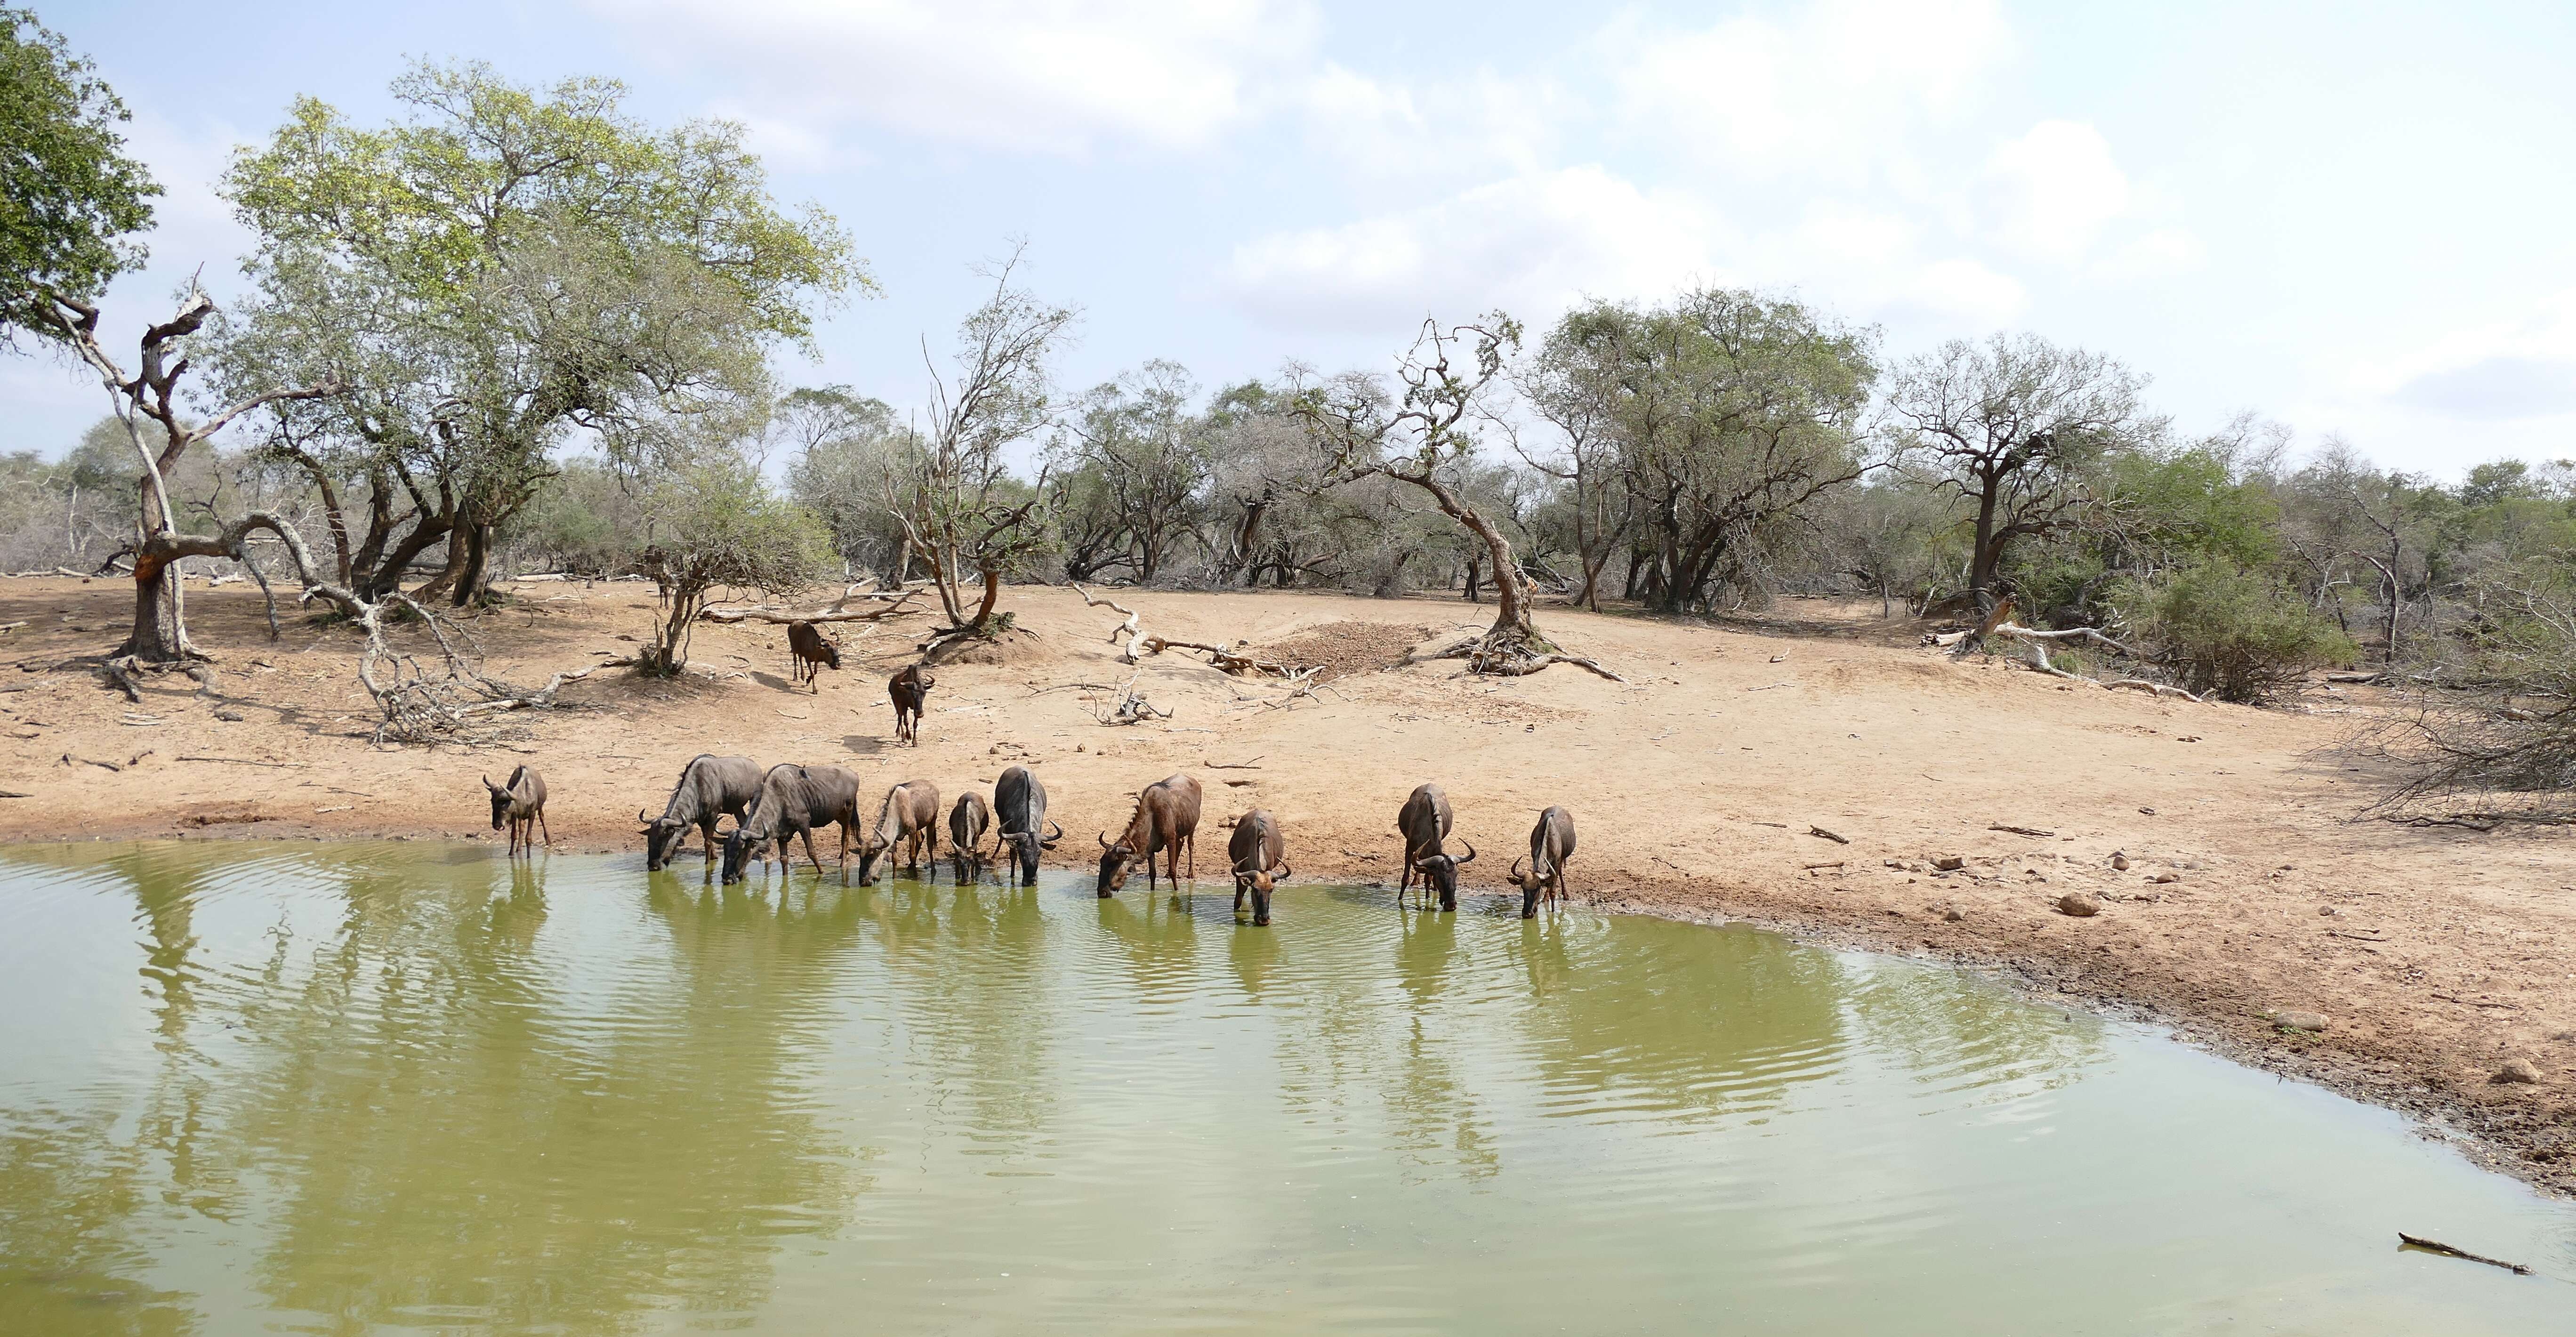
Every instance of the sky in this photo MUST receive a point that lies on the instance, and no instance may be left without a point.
(2349, 217)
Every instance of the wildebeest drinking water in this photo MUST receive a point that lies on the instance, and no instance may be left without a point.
(710, 788)
(809, 653)
(793, 801)
(1551, 844)
(521, 803)
(1167, 818)
(1260, 858)
(909, 689)
(967, 823)
(1424, 820)
(909, 817)
(1019, 805)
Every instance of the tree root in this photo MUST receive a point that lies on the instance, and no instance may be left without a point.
(1512, 657)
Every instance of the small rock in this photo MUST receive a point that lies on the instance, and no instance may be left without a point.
(2328, 911)
(2517, 1070)
(1950, 863)
(2078, 904)
(2166, 877)
(1953, 915)
(2120, 862)
(2299, 1021)
(229, 716)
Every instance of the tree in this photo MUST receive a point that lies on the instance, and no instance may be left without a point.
(2017, 427)
(70, 198)
(963, 512)
(1138, 437)
(500, 269)
(1424, 438)
(845, 446)
(1573, 387)
(716, 522)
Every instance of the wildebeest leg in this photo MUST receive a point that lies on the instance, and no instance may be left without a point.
(808, 835)
(541, 825)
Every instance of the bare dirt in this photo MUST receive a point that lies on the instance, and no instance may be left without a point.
(2256, 887)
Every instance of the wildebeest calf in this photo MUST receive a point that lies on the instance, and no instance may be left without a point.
(1551, 844)
(1260, 857)
(909, 689)
(1167, 818)
(1019, 805)
(710, 788)
(521, 803)
(1424, 820)
(967, 823)
(909, 817)
(810, 652)
(793, 801)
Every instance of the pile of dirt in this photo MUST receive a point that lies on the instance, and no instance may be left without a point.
(1341, 649)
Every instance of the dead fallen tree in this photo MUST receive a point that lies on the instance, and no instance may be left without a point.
(1229, 659)
(893, 602)
(2035, 645)
(1512, 659)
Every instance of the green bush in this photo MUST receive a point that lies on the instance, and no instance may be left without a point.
(2234, 634)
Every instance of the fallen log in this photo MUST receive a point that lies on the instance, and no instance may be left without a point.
(2407, 1241)
(837, 612)
(2021, 830)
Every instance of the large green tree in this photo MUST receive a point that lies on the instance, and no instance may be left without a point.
(498, 271)
(70, 199)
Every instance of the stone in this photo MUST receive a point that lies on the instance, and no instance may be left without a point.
(229, 716)
(2166, 877)
(1950, 863)
(2120, 862)
(2296, 1020)
(1953, 915)
(2078, 904)
(2328, 911)
(2517, 1070)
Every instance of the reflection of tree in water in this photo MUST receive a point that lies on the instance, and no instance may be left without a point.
(1433, 1118)
(1255, 957)
(1680, 1020)
(1954, 1032)
(1158, 940)
(974, 990)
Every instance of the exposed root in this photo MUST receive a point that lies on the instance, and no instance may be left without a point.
(1509, 656)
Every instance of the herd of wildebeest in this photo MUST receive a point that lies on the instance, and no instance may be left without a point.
(788, 801)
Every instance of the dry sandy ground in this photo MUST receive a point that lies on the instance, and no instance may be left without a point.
(2434, 955)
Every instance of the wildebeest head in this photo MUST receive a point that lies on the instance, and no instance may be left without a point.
(1441, 871)
(870, 850)
(739, 846)
(1260, 882)
(500, 802)
(827, 652)
(1531, 884)
(1115, 860)
(662, 839)
(1024, 847)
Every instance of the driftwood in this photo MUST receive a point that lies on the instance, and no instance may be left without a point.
(2405, 1240)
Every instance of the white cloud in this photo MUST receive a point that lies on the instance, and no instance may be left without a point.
(1835, 88)
(2053, 190)
(1963, 292)
(1055, 77)
(2508, 371)
(1531, 245)
(1469, 128)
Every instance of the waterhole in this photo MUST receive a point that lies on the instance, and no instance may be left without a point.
(346, 1089)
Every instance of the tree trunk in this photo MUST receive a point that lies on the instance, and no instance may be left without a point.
(474, 581)
(1981, 571)
(160, 634)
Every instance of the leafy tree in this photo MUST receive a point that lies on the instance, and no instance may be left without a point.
(1143, 452)
(2239, 635)
(715, 522)
(70, 198)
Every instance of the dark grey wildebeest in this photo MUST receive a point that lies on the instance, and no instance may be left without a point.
(908, 690)
(793, 801)
(1551, 844)
(809, 653)
(1260, 857)
(1020, 808)
(1425, 821)
(967, 823)
(711, 788)
(522, 804)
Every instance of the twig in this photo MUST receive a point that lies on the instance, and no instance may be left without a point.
(1811, 867)
(1820, 831)
(2021, 830)
(11, 793)
(2475, 1002)
(1232, 765)
(2405, 1240)
(246, 761)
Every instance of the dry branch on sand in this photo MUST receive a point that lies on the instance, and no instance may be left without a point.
(839, 611)
(1227, 659)
(2035, 645)
(1512, 659)
(1127, 706)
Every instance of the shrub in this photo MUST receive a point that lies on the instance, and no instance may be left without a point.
(2238, 635)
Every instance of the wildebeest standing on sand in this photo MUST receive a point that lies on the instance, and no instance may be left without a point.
(809, 653)
(1424, 821)
(910, 818)
(1260, 858)
(1167, 818)
(967, 823)
(1019, 806)
(710, 788)
(909, 689)
(1551, 844)
(793, 801)
(521, 803)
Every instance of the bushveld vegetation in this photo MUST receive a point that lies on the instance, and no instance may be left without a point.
(519, 329)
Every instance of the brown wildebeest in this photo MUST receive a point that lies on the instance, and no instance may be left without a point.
(1167, 818)
(1551, 844)
(1019, 805)
(521, 803)
(1424, 820)
(809, 653)
(909, 689)
(710, 788)
(910, 817)
(793, 801)
(967, 823)
(1260, 859)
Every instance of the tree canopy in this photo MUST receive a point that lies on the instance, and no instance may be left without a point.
(71, 199)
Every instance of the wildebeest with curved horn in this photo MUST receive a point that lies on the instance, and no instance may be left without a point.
(809, 652)
(1260, 858)
(711, 788)
(909, 689)
(1424, 821)
(793, 801)
(1019, 807)
(1551, 844)
(967, 823)
(909, 817)
(521, 803)
(1167, 818)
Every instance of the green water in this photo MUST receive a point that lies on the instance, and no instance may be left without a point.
(341, 1089)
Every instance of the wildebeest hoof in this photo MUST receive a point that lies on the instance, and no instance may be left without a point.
(1261, 921)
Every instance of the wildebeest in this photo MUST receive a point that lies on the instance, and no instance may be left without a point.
(1019, 806)
(1424, 820)
(909, 689)
(967, 823)
(1260, 859)
(793, 801)
(1551, 844)
(710, 788)
(1167, 818)
(521, 803)
(809, 653)
(910, 816)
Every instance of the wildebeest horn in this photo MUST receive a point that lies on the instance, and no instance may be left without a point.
(487, 783)
(639, 816)
(1471, 851)
(1284, 871)
(1104, 840)
(1049, 840)
(1515, 874)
